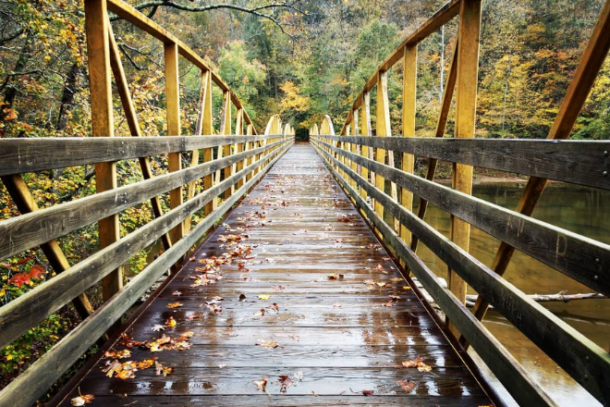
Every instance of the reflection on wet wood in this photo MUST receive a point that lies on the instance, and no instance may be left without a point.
(329, 309)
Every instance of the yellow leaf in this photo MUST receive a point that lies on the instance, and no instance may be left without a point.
(264, 297)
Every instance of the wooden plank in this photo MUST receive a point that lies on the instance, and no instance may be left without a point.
(341, 351)
(466, 103)
(102, 124)
(37, 304)
(409, 98)
(560, 249)
(132, 121)
(294, 401)
(573, 161)
(582, 359)
(21, 195)
(19, 156)
(510, 373)
(172, 97)
(576, 96)
(23, 232)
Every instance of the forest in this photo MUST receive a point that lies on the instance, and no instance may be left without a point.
(301, 58)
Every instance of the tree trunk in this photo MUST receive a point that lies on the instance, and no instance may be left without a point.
(67, 98)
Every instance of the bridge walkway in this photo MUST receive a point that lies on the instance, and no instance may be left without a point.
(293, 291)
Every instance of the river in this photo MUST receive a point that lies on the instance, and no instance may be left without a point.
(581, 210)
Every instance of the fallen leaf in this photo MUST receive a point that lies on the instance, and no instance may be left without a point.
(242, 297)
(174, 305)
(160, 370)
(177, 293)
(171, 322)
(264, 297)
(146, 363)
(262, 384)
(157, 328)
(418, 363)
(284, 382)
(406, 385)
(83, 399)
(337, 305)
(368, 392)
(269, 344)
(313, 393)
(222, 365)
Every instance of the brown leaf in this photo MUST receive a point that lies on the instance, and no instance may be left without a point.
(269, 344)
(284, 382)
(368, 392)
(406, 385)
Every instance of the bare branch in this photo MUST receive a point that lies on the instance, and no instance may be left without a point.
(155, 4)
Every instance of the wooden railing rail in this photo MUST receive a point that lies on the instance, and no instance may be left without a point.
(24, 312)
(364, 163)
(241, 160)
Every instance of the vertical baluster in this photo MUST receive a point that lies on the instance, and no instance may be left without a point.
(172, 94)
(102, 124)
(384, 130)
(226, 131)
(365, 129)
(355, 148)
(408, 127)
(468, 64)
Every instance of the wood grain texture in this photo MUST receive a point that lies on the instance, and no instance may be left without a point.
(19, 156)
(24, 390)
(21, 314)
(572, 161)
(525, 390)
(338, 339)
(23, 232)
(561, 249)
(585, 361)
(102, 124)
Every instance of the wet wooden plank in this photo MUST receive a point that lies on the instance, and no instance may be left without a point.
(299, 237)
(289, 401)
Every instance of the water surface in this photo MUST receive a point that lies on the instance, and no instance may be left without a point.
(581, 210)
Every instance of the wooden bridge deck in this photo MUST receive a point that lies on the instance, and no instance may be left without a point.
(341, 336)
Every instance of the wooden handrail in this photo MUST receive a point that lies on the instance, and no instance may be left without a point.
(571, 161)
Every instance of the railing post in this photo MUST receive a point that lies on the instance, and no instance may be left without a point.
(384, 130)
(172, 94)
(102, 124)
(468, 65)
(355, 148)
(239, 147)
(206, 129)
(365, 129)
(408, 127)
(225, 117)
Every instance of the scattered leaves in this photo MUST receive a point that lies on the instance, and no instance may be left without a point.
(417, 363)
